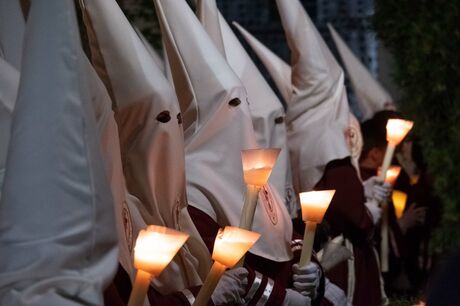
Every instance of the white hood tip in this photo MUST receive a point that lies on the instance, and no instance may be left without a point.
(278, 69)
(370, 94)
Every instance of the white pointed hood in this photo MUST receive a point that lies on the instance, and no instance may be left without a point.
(159, 61)
(12, 28)
(9, 82)
(211, 94)
(128, 218)
(278, 69)
(267, 112)
(58, 239)
(151, 138)
(318, 113)
(370, 94)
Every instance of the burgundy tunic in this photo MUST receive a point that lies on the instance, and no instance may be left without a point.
(263, 273)
(117, 294)
(418, 259)
(348, 215)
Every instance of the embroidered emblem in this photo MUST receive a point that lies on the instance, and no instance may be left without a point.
(127, 225)
(269, 205)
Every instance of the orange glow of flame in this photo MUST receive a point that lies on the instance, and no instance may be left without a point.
(258, 165)
(155, 248)
(314, 204)
(397, 129)
(231, 244)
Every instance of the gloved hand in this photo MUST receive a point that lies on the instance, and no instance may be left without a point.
(293, 298)
(306, 279)
(375, 210)
(335, 295)
(231, 287)
(375, 188)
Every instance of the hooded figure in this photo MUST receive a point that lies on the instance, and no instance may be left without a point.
(267, 112)
(318, 109)
(57, 232)
(371, 96)
(9, 82)
(217, 125)
(216, 119)
(12, 28)
(319, 121)
(278, 69)
(150, 136)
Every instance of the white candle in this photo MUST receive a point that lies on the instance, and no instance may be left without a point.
(314, 205)
(397, 129)
(155, 248)
(229, 247)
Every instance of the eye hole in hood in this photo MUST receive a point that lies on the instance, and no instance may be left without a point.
(279, 120)
(164, 117)
(234, 102)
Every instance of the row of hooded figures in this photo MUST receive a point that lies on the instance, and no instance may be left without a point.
(101, 137)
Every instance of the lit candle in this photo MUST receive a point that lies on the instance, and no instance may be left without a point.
(155, 248)
(229, 247)
(314, 205)
(257, 167)
(392, 175)
(397, 129)
(399, 201)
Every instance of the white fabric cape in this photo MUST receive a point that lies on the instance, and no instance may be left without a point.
(12, 28)
(57, 232)
(9, 82)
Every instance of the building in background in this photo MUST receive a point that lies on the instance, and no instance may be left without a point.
(351, 18)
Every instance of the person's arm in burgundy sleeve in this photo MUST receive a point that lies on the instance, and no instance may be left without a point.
(347, 211)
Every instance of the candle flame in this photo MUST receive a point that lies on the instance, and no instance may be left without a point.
(399, 202)
(258, 165)
(231, 244)
(397, 129)
(155, 248)
(391, 175)
(314, 204)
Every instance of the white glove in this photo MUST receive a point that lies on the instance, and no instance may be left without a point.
(375, 188)
(335, 295)
(306, 279)
(231, 287)
(375, 210)
(293, 298)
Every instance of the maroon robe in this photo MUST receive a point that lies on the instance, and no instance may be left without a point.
(117, 294)
(418, 259)
(271, 273)
(348, 215)
(396, 239)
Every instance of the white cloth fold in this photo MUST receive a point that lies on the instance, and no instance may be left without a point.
(57, 233)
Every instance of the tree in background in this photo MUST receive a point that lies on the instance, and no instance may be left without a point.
(424, 37)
